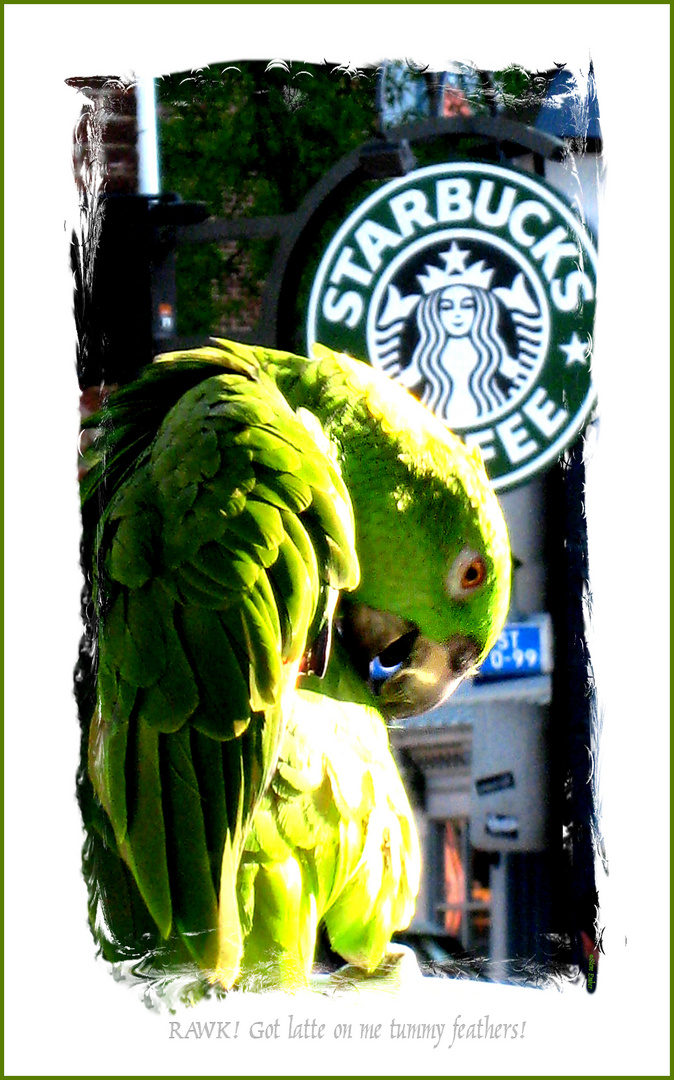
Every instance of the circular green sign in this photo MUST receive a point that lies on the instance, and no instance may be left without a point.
(473, 286)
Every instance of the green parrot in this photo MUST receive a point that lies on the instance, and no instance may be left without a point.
(286, 555)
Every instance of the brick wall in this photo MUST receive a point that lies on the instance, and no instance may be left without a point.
(105, 158)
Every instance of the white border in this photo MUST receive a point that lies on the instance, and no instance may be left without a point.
(64, 1013)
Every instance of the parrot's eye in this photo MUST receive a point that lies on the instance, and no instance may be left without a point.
(473, 575)
(468, 572)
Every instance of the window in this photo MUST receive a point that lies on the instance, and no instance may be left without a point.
(462, 896)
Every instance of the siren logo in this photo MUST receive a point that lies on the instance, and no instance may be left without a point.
(473, 286)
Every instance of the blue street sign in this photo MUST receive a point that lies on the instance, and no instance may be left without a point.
(523, 648)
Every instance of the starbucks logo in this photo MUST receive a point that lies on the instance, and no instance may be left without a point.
(473, 286)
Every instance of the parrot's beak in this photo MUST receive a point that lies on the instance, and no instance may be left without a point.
(407, 672)
(432, 672)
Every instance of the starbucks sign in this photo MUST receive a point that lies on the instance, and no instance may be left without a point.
(473, 286)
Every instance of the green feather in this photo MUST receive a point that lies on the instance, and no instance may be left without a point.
(144, 847)
(259, 525)
(265, 667)
(292, 584)
(173, 698)
(207, 758)
(194, 902)
(284, 490)
(224, 704)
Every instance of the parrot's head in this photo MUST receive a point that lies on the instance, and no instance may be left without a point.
(433, 550)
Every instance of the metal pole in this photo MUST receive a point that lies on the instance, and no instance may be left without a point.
(498, 935)
(148, 152)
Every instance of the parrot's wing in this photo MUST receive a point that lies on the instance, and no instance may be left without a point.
(216, 560)
(333, 839)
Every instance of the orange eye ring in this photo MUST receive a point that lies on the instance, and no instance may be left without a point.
(474, 574)
(468, 572)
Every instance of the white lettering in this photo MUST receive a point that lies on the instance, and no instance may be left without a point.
(373, 239)
(344, 267)
(542, 412)
(554, 249)
(484, 439)
(529, 208)
(453, 200)
(565, 298)
(493, 218)
(515, 439)
(409, 208)
(347, 308)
